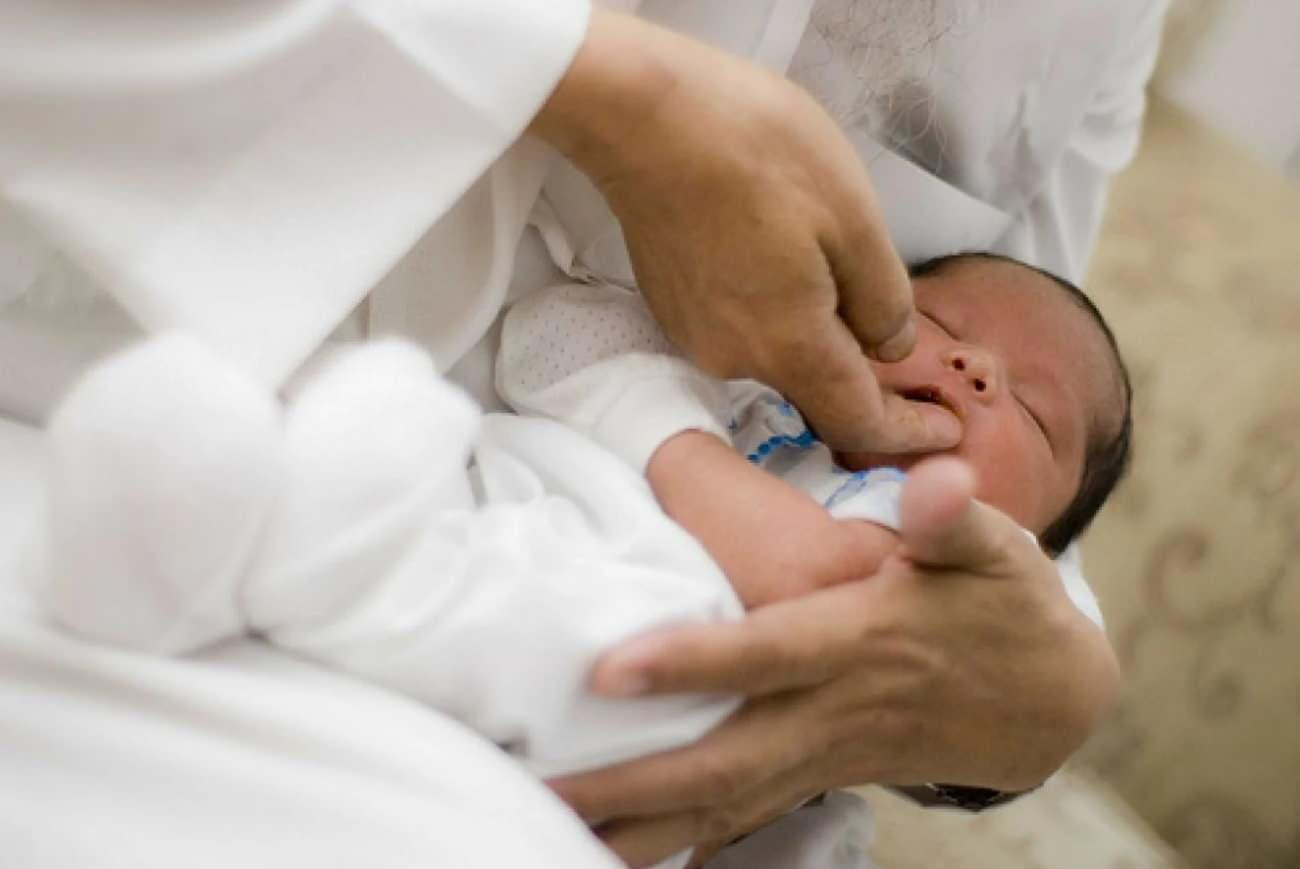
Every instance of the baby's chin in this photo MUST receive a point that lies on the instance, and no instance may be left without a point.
(868, 461)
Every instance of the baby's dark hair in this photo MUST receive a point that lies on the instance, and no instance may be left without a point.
(1107, 457)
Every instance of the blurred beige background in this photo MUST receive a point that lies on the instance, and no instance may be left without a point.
(1235, 65)
(1197, 559)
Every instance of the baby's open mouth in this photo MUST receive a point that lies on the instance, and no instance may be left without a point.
(923, 393)
(932, 395)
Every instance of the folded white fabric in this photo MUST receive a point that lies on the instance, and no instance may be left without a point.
(835, 833)
(187, 507)
(592, 356)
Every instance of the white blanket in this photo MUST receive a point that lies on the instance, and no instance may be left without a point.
(239, 755)
(187, 508)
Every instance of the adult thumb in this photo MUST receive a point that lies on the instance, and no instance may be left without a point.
(943, 526)
(832, 384)
(875, 295)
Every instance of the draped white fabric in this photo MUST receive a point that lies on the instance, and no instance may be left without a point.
(209, 160)
(244, 756)
(345, 529)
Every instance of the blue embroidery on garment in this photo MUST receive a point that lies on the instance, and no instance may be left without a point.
(859, 480)
(802, 441)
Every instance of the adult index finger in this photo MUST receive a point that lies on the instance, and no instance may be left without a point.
(825, 375)
(764, 741)
(778, 647)
(872, 285)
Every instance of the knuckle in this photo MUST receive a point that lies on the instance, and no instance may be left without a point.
(722, 350)
(889, 320)
(788, 344)
(732, 770)
(718, 823)
(721, 777)
(802, 351)
(717, 359)
(661, 674)
(772, 657)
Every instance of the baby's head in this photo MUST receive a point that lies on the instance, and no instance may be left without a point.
(1027, 364)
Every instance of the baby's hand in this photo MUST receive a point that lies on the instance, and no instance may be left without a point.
(771, 540)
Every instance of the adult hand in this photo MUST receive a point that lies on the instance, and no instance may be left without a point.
(751, 223)
(962, 661)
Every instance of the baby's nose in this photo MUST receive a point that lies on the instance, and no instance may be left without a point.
(978, 368)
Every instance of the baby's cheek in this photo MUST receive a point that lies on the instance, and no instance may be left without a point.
(1009, 478)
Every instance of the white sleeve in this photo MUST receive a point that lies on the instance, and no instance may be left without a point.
(186, 510)
(592, 357)
(1070, 565)
(1059, 226)
(207, 159)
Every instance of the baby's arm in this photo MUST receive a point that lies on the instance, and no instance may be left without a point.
(730, 505)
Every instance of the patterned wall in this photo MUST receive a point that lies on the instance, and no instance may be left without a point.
(1197, 559)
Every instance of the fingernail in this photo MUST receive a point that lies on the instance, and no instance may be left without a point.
(625, 685)
(947, 428)
(898, 346)
(942, 428)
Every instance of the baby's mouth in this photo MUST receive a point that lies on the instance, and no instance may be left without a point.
(932, 395)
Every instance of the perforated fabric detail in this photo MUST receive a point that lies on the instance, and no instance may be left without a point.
(563, 330)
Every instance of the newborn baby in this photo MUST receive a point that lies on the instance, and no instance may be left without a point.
(190, 506)
(1022, 359)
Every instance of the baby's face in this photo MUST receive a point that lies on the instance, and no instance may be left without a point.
(1027, 373)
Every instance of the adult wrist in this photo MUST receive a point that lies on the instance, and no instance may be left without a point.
(963, 797)
(610, 93)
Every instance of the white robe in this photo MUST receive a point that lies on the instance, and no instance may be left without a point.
(250, 173)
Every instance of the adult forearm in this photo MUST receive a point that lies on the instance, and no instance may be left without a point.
(615, 83)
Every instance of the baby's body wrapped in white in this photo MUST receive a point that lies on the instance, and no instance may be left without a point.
(347, 529)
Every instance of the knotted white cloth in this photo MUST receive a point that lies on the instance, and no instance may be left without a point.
(188, 506)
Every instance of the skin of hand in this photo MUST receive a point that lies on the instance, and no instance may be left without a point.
(728, 503)
(751, 223)
(949, 664)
